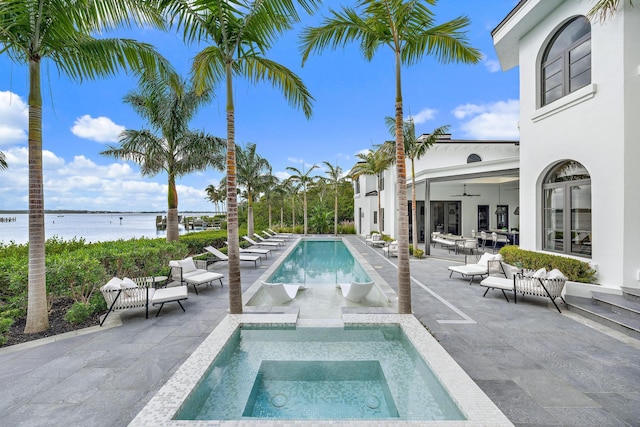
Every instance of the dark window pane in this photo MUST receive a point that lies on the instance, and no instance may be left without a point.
(580, 80)
(580, 66)
(580, 51)
(553, 94)
(567, 36)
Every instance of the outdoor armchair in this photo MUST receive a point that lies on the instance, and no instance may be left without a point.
(185, 271)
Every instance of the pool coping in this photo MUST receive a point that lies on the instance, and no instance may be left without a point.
(472, 401)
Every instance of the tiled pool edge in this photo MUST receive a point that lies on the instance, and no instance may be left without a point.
(477, 407)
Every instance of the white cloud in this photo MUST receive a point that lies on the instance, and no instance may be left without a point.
(492, 65)
(282, 175)
(100, 129)
(85, 185)
(424, 115)
(498, 120)
(294, 160)
(14, 119)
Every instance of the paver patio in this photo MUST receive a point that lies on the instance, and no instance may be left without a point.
(538, 366)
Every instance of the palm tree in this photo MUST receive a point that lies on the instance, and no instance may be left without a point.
(304, 179)
(269, 191)
(3, 161)
(604, 9)
(335, 178)
(213, 195)
(373, 163)
(61, 32)
(414, 148)
(239, 34)
(408, 28)
(253, 172)
(169, 146)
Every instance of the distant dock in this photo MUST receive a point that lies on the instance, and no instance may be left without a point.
(7, 219)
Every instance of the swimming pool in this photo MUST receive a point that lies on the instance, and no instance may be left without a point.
(358, 372)
(474, 406)
(325, 262)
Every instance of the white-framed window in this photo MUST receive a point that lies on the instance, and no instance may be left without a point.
(566, 205)
(381, 181)
(566, 62)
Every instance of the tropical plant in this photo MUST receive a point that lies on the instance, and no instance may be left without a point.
(409, 29)
(270, 192)
(320, 220)
(239, 33)
(62, 33)
(253, 173)
(414, 148)
(169, 146)
(335, 178)
(215, 195)
(304, 179)
(373, 163)
(604, 9)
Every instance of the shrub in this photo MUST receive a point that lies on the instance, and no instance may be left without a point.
(78, 313)
(575, 270)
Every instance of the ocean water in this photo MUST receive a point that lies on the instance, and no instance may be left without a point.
(91, 227)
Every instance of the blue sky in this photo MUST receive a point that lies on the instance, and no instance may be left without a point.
(352, 98)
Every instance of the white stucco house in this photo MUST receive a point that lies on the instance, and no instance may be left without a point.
(574, 175)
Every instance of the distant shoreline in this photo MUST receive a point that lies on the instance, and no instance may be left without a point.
(71, 211)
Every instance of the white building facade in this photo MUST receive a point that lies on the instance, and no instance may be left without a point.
(571, 186)
(579, 132)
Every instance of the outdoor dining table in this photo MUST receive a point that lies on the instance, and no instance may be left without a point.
(513, 236)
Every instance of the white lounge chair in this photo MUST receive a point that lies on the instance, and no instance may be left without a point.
(123, 294)
(276, 234)
(355, 291)
(262, 239)
(375, 240)
(391, 249)
(267, 244)
(480, 268)
(279, 292)
(223, 257)
(185, 271)
(254, 250)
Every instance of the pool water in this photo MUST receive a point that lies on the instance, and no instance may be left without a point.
(358, 372)
(319, 263)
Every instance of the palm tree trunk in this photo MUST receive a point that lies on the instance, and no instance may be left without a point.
(335, 214)
(414, 207)
(250, 227)
(404, 272)
(235, 286)
(304, 205)
(37, 313)
(172, 213)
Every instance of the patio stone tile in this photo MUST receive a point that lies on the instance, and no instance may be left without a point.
(625, 406)
(538, 382)
(587, 417)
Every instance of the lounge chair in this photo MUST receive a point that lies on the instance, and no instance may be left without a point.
(253, 250)
(267, 244)
(355, 291)
(262, 239)
(391, 249)
(276, 234)
(123, 294)
(281, 293)
(375, 240)
(541, 283)
(185, 271)
(480, 268)
(223, 257)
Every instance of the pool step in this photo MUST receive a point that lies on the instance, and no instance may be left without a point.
(619, 312)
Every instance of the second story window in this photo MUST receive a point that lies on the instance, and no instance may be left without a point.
(381, 181)
(566, 63)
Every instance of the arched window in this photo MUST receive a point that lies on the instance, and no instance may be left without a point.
(566, 205)
(473, 158)
(566, 63)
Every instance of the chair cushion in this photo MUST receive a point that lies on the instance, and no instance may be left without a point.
(187, 265)
(539, 274)
(112, 285)
(486, 257)
(129, 287)
(169, 294)
(555, 274)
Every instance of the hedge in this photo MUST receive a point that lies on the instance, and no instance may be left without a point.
(575, 270)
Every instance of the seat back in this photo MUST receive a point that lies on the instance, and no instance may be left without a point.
(216, 253)
(356, 291)
(278, 292)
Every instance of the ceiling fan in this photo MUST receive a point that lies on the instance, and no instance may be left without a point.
(464, 193)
